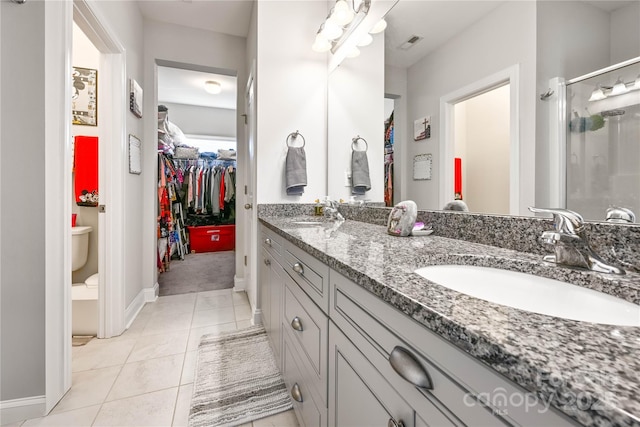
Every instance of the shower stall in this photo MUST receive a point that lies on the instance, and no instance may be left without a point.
(602, 140)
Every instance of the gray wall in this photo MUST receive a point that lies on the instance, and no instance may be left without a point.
(22, 220)
(193, 119)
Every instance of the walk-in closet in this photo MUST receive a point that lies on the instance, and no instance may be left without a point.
(196, 181)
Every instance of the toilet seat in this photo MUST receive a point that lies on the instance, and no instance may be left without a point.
(92, 281)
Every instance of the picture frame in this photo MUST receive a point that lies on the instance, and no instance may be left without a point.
(135, 98)
(422, 164)
(422, 128)
(84, 97)
(135, 155)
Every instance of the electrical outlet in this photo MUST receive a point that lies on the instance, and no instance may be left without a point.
(347, 178)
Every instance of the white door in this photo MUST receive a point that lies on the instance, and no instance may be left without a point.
(251, 216)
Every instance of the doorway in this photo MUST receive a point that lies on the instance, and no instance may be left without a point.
(465, 152)
(197, 169)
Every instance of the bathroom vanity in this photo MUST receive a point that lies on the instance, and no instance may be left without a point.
(361, 339)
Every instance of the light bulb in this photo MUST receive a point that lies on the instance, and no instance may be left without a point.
(619, 88)
(365, 40)
(331, 31)
(597, 94)
(353, 52)
(321, 44)
(212, 87)
(379, 27)
(342, 13)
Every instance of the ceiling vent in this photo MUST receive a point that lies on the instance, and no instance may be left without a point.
(410, 43)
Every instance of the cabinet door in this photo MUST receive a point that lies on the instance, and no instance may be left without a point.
(358, 394)
(264, 283)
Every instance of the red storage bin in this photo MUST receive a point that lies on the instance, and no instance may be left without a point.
(212, 238)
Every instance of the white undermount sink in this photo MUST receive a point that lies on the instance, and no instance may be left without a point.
(307, 222)
(534, 293)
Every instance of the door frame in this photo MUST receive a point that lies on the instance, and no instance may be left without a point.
(509, 76)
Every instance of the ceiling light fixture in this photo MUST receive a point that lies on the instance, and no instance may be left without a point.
(212, 87)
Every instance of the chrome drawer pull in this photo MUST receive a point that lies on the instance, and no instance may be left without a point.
(394, 423)
(267, 241)
(295, 393)
(267, 262)
(297, 267)
(409, 368)
(296, 324)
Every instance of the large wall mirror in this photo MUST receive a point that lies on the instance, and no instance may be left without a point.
(437, 50)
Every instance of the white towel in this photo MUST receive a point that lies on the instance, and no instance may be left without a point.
(296, 171)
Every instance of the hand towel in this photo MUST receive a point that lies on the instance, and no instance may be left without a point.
(86, 170)
(360, 181)
(296, 171)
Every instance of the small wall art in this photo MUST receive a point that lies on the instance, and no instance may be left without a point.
(422, 128)
(135, 98)
(84, 97)
(422, 167)
(135, 155)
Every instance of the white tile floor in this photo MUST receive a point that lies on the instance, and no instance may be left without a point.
(145, 376)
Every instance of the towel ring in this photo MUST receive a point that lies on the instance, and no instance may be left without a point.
(354, 143)
(292, 136)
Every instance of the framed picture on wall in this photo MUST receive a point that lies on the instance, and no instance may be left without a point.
(422, 128)
(84, 97)
(135, 98)
(135, 155)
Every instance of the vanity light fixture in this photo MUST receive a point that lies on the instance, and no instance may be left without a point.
(212, 87)
(619, 87)
(597, 94)
(335, 33)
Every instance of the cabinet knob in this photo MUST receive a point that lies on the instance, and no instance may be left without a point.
(297, 324)
(267, 262)
(295, 393)
(248, 206)
(409, 368)
(267, 241)
(394, 423)
(297, 267)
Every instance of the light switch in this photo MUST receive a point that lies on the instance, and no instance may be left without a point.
(347, 178)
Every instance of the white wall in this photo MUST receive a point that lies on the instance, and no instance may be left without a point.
(356, 108)
(625, 33)
(480, 51)
(564, 49)
(291, 95)
(174, 43)
(125, 21)
(197, 120)
(85, 55)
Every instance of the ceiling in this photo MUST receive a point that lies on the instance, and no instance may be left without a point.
(435, 21)
(187, 87)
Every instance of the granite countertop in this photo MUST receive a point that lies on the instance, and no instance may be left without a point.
(589, 371)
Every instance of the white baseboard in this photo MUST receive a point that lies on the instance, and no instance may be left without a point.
(144, 296)
(239, 284)
(257, 317)
(26, 408)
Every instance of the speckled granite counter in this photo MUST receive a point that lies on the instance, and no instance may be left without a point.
(589, 371)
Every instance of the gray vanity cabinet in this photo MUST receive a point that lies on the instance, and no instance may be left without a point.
(271, 283)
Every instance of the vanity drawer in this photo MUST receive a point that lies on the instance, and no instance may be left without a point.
(271, 242)
(308, 329)
(456, 378)
(308, 272)
(309, 411)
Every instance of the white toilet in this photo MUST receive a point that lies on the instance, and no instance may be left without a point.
(84, 296)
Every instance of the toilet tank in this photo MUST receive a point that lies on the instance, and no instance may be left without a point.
(79, 246)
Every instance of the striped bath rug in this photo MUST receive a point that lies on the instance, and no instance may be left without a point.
(237, 380)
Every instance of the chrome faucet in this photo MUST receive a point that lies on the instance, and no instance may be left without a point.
(331, 210)
(570, 244)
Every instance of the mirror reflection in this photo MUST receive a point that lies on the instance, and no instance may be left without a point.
(434, 51)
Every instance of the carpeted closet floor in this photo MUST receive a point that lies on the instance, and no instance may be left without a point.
(205, 271)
